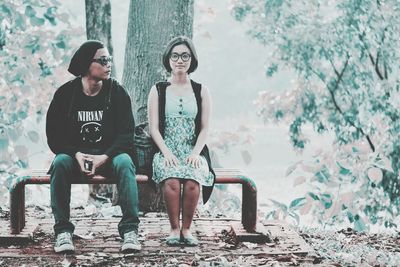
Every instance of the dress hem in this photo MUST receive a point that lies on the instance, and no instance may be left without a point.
(180, 178)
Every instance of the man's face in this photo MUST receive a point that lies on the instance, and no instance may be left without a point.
(100, 68)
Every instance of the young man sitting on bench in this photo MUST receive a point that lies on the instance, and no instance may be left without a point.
(90, 128)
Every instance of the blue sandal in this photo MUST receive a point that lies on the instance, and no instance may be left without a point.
(173, 240)
(190, 241)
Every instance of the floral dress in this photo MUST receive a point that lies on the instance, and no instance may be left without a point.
(180, 137)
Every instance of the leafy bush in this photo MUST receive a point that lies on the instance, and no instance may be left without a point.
(346, 55)
(35, 42)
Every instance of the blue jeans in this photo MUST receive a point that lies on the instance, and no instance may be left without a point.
(64, 168)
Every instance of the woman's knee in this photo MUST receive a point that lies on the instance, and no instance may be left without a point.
(191, 185)
(172, 184)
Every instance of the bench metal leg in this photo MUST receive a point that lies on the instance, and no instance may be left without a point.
(249, 198)
(249, 205)
(22, 208)
(17, 208)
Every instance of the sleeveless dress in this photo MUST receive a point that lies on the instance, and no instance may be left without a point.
(180, 137)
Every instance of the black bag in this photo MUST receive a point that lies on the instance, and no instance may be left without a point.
(144, 150)
(142, 156)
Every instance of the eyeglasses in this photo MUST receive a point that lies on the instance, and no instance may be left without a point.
(184, 56)
(103, 60)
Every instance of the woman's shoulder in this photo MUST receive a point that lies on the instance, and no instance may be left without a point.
(162, 84)
(153, 88)
(199, 87)
(195, 84)
(204, 88)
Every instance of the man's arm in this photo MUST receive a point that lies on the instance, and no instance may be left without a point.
(125, 125)
(56, 127)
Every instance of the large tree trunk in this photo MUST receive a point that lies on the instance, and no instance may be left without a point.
(98, 27)
(98, 24)
(151, 25)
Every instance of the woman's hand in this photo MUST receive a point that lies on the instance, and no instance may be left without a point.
(194, 160)
(170, 160)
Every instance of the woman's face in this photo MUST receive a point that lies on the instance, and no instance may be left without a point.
(180, 59)
(100, 68)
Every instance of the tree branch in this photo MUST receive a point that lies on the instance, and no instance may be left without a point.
(378, 55)
(339, 79)
(385, 70)
(332, 93)
(377, 66)
(385, 75)
(334, 68)
(371, 58)
(373, 61)
(333, 65)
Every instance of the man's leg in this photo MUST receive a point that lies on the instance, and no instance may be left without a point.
(63, 167)
(125, 172)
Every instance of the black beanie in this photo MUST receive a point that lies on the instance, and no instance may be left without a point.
(82, 58)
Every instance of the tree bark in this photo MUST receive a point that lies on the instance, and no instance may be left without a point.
(98, 27)
(151, 25)
(98, 24)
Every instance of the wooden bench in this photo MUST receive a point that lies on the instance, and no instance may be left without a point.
(223, 176)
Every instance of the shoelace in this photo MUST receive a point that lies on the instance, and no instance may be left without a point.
(63, 238)
(131, 237)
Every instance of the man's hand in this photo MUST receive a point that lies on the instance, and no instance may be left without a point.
(98, 160)
(80, 157)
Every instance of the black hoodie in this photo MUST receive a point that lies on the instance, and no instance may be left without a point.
(101, 124)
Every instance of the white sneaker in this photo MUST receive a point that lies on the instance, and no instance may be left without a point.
(64, 242)
(131, 242)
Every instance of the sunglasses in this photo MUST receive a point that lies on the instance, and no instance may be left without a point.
(103, 60)
(184, 56)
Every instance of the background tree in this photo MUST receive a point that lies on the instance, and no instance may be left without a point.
(98, 24)
(98, 27)
(151, 25)
(35, 41)
(346, 56)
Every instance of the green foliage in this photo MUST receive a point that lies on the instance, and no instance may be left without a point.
(283, 211)
(240, 11)
(34, 47)
(272, 69)
(297, 203)
(346, 56)
(295, 133)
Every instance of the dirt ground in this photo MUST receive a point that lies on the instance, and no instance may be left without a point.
(100, 247)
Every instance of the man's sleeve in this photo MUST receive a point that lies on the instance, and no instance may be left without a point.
(123, 141)
(56, 123)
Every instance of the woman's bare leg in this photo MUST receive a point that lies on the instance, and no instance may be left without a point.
(172, 195)
(191, 192)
